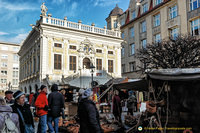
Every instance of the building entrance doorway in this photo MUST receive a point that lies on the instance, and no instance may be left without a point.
(86, 63)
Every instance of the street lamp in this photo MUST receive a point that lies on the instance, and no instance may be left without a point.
(92, 72)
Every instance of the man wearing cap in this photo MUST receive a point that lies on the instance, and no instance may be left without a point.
(88, 114)
(41, 105)
(23, 110)
(9, 97)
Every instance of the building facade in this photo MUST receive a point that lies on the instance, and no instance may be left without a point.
(9, 77)
(62, 52)
(148, 21)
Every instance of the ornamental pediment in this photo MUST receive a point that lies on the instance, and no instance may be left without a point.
(86, 47)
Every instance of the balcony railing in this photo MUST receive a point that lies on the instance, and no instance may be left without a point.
(80, 26)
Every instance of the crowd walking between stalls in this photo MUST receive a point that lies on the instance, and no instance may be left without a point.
(49, 109)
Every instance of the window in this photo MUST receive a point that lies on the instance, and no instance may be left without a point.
(122, 35)
(4, 48)
(15, 82)
(57, 61)
(133, 15)
(115, 23)
(132, 34)
(58, 45)
(158, 2)
(72, 63)
(195, 26)
(16, 49)
(98, 50)
(144, 43)
(174, 33)
(72, 47)
(156, 19)
(110, 66)
(157, 38)
(110, 52)
(144, 28)
(132, 52)
(15, 57)
(4, 56)
(173, 12)
(15, 66)
(194, 4)
(145, 7)
(99, 64)
(4, 64)
(109, 25)
(132, 66)
(122, 52)
(3, 72)
(3, 81)
(123, 68)
(15, 74)
(122, 21)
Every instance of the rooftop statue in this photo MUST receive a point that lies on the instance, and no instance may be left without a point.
(44, 9)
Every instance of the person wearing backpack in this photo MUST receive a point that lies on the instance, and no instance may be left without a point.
(9, 122)
(23, 110)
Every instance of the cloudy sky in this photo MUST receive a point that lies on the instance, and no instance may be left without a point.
(17, 15)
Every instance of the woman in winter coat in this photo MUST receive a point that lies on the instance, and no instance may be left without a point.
(56, 104)
(117, 109)
(6, 110)
(88, 114)
(24, 108)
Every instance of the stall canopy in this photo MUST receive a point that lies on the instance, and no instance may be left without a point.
(175, 74)
(133, 84)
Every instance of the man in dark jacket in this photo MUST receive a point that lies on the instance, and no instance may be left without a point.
(9, 97)
(88, 114)
(56, 104)
(24, 108)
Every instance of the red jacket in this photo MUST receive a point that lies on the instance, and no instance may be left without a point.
(30, 98)
(40, 103)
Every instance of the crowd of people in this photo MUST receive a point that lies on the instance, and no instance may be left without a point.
(16, 115)
(48, 108)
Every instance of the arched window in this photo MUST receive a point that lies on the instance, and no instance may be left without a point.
(86, 63)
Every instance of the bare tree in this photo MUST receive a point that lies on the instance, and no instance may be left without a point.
(182, 52)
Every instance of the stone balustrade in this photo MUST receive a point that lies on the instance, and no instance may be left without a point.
(80, 26)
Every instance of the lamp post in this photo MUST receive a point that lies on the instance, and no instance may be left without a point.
(92, 72)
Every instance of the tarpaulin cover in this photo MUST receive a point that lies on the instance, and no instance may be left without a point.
(175, 74)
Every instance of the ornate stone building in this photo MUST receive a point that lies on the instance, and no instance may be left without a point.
(147, 21)
(9, 66)
(62, 52)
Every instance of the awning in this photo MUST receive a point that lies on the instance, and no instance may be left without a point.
(175, 74)
(138, 85)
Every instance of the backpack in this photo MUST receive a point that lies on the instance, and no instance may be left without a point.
(9, 126)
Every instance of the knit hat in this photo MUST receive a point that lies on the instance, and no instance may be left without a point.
(17, 94)
(87, 93)
(8, 92)
(42, 87)
(81, 91)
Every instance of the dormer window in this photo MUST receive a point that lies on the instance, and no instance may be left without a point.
(157, 2)
(145, 7)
